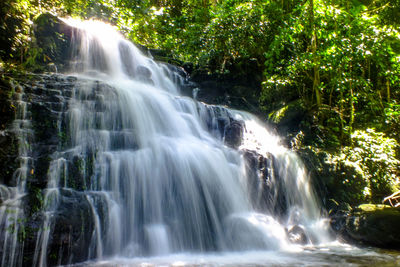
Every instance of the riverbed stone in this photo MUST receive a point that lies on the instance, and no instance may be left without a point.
(297, 235)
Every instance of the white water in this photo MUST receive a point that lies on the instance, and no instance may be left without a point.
(334, 255)
(153, 168)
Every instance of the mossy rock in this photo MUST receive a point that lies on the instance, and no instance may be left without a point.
(52, 47)
(376, 225)
(8, 140)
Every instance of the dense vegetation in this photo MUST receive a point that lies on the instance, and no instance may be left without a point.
(336, 62)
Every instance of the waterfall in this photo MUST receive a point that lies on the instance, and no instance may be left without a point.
(141, 170)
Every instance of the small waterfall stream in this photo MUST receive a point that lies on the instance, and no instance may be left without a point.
(12, 215)
(141, 171)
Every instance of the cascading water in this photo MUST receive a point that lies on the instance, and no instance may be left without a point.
(12, 216)
(158, 181)
(141, 171)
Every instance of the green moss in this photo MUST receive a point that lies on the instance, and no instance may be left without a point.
(51, 46)
(35, 60)
(36, 199)
(374, 207)
(376, 225)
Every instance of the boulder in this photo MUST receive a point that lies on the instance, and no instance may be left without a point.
(374, 225)
(234, 134)
(296, 234)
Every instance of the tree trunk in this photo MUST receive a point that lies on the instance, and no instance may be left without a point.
(352, 109)
(388, 90)
(316, 78)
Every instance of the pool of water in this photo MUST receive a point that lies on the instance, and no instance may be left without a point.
(328, 255)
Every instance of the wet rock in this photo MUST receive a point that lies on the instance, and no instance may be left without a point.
(126, 58)
(6, 108)
(72, 78)
(297, 235)
(266, 188)
(259, 181)
(76, 168)
(71, 238)
(221, 122)
(259, 165)
(144, 74)
(234, 134)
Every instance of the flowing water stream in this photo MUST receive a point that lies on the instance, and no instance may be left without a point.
(11, 209)
(160, 185)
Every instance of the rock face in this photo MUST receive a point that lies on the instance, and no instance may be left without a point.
(261, 179)
(8, 141)
(8, 156)
(239, 88)
(45, 98)
(370, 224)
(74, 230)
(223, 125)
(53, 38)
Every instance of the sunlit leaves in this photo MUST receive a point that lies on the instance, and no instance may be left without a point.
(355, 56)
(376, 156)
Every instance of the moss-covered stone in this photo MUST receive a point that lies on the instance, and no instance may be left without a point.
(373, 207)
(51, 50)
(8, 140)
(376, 225)
(7, 109)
